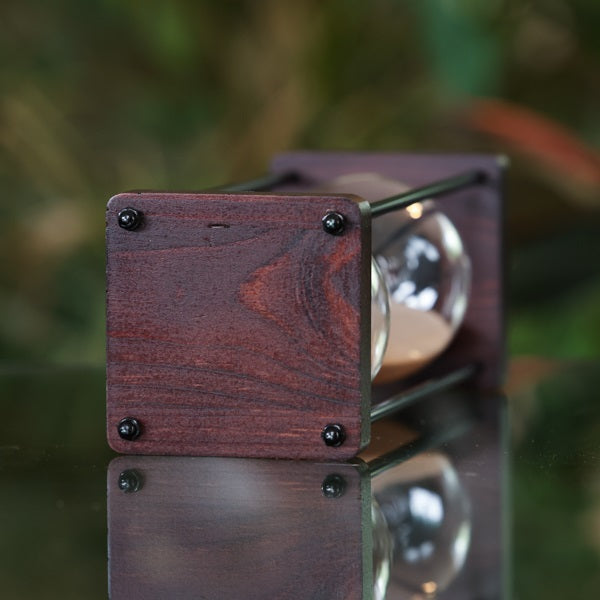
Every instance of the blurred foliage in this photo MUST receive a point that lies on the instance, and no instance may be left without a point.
(556, 485)
(103, 96)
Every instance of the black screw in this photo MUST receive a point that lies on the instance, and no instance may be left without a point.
(333, 435)
(129, 218)
(130, 481)
(129, 429)
(333, 486)
(334, 223)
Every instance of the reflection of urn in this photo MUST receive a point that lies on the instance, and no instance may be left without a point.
(428, 517)
(229, 529)
(382, 552)
(183, 527)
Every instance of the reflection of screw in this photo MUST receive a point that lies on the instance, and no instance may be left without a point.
(130, 481)
(129, 429)
(333, 435)
(333, 223)
(129, 218)
(333, 486)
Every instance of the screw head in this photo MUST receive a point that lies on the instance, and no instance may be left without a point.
(334, 223)
(333, 486)
(129, 218)
(130, 481)
(129, 429)
(333, 435)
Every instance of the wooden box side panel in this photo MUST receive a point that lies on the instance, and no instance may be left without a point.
(478, 214)
(229, 528)
(235, 324)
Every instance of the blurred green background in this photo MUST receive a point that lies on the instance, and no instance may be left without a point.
(102, 96)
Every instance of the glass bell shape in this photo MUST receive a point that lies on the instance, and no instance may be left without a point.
(380, 318)
(427, 275)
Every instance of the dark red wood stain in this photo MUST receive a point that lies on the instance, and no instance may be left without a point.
(242, 339)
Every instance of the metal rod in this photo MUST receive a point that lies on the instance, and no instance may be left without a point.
(432, 190)
(403, 399)
(264, 183)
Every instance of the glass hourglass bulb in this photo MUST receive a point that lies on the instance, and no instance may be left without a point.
(420, 256)
(380, 318)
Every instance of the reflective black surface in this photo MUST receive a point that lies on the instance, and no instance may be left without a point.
(443, 500)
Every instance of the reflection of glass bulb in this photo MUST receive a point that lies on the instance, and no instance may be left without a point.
(427, 276)
(382, 552)
(427, 512)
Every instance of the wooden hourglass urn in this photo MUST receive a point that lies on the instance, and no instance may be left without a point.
(240, 320)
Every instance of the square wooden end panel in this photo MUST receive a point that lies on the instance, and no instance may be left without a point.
(236, 326)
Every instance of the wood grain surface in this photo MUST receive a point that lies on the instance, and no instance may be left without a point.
(231, 529)
(477, 213)
(236, 326)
